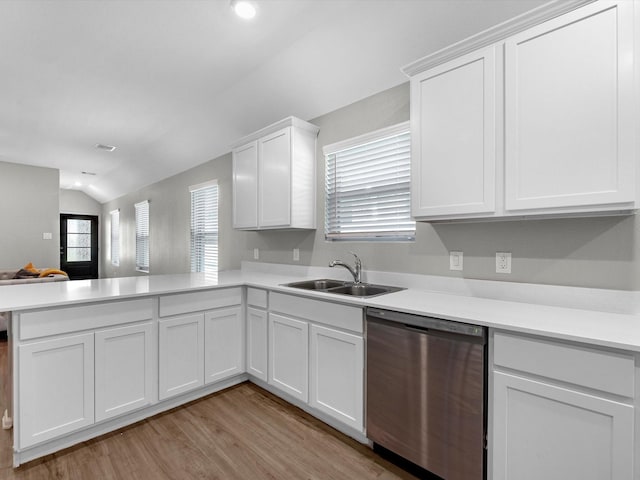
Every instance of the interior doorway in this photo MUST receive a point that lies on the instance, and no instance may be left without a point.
(79, 246)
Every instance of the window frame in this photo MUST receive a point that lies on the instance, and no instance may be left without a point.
(142, 217)
(360, 141)
(115, 237)
(197, 263)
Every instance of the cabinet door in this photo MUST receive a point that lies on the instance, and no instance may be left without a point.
(124, 369)
(288, 355)
(224, 344)
(56, 390)
(274, 186)
(181, 352)
(569, 105)
(336, 374)
(544, 431)
(453, 137)
(245, 186)
(257, 343)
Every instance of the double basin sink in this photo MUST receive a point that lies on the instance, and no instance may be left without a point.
(339, 287)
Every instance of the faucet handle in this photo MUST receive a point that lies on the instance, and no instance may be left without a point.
(358, 261)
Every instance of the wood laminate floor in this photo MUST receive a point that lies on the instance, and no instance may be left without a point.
(241, 433)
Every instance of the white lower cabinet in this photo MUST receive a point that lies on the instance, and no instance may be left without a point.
(224, 344)
(123, 369)
(181, 354)
(80, 365)
(56, 387)
(561, 411)
(316, 355)
(288, 355)
(550, 432)
(257, 343)
(336, 375)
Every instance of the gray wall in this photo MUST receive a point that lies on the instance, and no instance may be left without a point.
(29, 208)
(592, 252)
(169, 223)
(75, 201)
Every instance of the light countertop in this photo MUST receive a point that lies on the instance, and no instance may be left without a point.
(616, 330)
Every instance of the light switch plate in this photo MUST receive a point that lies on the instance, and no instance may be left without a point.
(503, 262)
(47, 236)
(455, 260)
(256, 254)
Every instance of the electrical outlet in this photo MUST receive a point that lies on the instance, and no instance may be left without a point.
(256, 254)
(296, 254)
(503, 262)
(455, 260)
(47, 236)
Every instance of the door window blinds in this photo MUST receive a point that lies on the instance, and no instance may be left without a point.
(115, 238)
(204, 227)
(368, 187)
(142, 236)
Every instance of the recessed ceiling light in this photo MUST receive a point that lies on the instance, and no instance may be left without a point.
(107, 148)
(78, 184)
(244, 9)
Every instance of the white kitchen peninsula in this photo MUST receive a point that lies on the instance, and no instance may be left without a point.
(97, 348)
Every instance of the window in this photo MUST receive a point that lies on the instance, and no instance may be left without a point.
(204, 227)
(115, 238)
(142, 236)
(367, 187)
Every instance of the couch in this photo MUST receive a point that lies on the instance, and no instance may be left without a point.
(8, 277)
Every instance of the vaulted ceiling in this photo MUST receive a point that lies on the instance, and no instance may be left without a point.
(172, 83)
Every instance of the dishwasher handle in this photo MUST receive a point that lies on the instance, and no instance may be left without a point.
(420, 323)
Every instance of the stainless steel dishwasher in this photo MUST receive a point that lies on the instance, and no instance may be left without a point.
(426, 391)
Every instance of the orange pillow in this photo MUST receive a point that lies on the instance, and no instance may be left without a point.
(52, 271)
(29, 266)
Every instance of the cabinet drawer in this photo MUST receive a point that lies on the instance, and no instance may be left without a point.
(199, 301)
(257, 297)
(341, 316)
(608, 371)
(89, 317)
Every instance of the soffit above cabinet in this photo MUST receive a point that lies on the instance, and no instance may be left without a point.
(494, 34)
(274, 127)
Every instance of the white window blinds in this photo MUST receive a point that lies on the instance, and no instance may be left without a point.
(142, 236)
(204, 227)
(368, 187)
(115, 238)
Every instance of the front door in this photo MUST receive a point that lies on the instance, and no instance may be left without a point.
(79, 246)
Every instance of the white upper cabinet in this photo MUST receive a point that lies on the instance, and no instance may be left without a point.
(453, 137)
(542, 121)
(245, 186)
(274, 172)
(569, 104)
(274, 188)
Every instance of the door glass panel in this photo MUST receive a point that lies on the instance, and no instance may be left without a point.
(75, 254)
(78, 240)
(79, 226)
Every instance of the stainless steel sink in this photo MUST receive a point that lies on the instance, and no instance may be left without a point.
(344, 288)
(364, 290)
(322, 284)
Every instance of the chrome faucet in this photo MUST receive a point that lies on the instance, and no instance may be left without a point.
(356, 272)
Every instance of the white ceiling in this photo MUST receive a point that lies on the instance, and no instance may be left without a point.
(172, 83)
